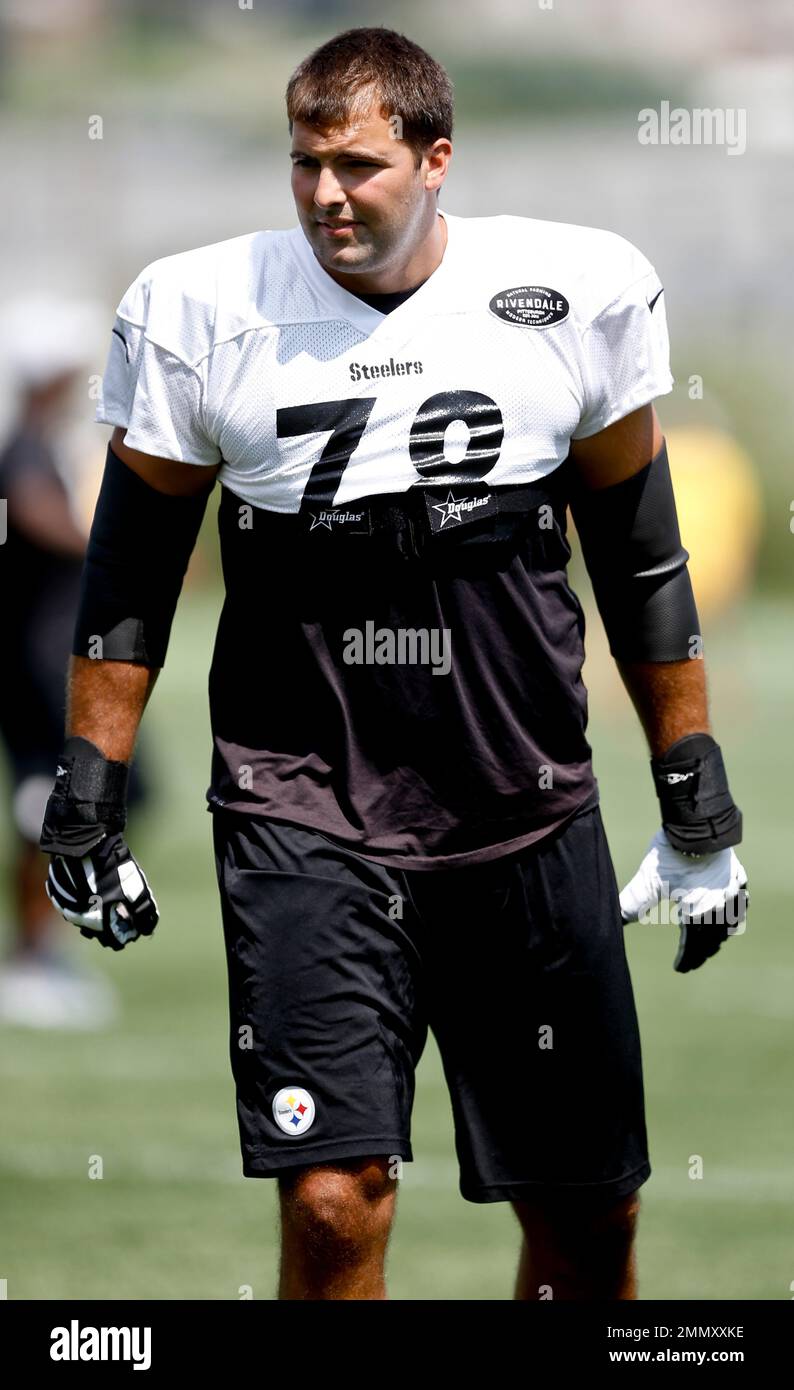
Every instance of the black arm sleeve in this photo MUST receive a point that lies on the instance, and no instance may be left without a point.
(138, 551)
(633, 552)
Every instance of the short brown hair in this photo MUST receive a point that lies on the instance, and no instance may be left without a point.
(335, 85)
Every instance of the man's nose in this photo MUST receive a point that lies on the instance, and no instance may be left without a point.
(328, 191)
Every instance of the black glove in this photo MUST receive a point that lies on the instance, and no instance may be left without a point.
(700, 818)
(93, 879)
(701, 937)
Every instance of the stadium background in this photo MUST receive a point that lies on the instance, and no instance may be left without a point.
(193, 150)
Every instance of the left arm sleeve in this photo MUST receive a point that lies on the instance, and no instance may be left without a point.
(626, 352)
(149, 391)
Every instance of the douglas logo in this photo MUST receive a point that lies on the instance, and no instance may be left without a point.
(530, 306)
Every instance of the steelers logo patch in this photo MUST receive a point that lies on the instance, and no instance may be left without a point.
(293, 1110)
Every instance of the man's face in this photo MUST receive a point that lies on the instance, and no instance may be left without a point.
(360, 200)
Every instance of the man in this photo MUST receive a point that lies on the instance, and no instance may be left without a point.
(399, 404)
(48, 343)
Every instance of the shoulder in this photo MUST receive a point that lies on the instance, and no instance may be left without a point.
(591, 266)
(187, 302)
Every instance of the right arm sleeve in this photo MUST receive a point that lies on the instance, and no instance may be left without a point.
(149, 391)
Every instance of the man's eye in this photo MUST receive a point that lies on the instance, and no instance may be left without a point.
(351, 163)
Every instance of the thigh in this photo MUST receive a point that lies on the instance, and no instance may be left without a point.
(326, 1021)
(532, 1005)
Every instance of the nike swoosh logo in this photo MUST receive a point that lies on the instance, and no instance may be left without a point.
(124, 341)
(651, 302)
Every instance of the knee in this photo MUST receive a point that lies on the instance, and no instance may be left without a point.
(583, 1226)
(614, 1228)
(339, 1210)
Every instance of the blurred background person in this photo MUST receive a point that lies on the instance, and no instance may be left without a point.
(48, 345)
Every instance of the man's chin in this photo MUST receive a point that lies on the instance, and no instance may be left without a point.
(349, 256)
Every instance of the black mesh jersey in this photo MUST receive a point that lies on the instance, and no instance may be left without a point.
(457, 742)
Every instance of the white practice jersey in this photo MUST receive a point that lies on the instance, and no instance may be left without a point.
(248, 354)
(422, 702)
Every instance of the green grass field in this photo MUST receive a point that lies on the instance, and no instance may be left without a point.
(172, 1216)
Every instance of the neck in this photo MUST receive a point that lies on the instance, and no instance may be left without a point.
(418, 265)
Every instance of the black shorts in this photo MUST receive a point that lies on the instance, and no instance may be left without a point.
(338, 966)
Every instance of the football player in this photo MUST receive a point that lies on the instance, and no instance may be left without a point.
(400, 405)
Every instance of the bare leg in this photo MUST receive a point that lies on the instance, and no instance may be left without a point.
(335, 1225)
(576, 1254)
